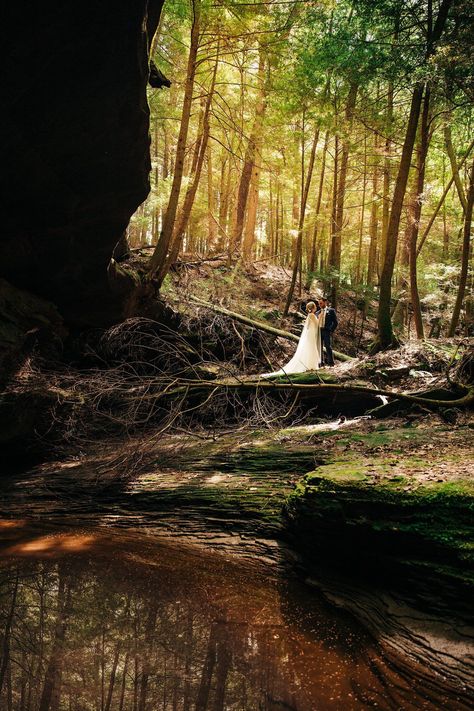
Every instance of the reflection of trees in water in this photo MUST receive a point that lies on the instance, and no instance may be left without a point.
(81, 635)
(76, 638)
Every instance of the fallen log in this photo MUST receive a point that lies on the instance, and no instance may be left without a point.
(180, 387)
(259, 325)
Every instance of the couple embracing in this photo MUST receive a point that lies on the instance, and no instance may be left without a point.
(320, 324)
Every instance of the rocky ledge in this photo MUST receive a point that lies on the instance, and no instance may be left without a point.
(405, 513)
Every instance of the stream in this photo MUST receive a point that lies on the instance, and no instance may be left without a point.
(158, 593)
(124, 621)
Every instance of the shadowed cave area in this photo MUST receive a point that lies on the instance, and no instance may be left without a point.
(75, 146)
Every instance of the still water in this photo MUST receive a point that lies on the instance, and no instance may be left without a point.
(95, 621)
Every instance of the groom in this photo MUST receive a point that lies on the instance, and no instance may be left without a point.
(328, 326)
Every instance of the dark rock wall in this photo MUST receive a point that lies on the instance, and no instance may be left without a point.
(75, 145)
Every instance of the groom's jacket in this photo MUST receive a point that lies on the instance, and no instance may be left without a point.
(330, 322)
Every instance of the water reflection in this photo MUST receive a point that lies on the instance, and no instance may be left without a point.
(127, 625)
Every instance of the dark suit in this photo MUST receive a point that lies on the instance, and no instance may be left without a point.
(330, 325)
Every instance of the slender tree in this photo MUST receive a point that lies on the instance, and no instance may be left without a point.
(385, 332)
(415, 211)
(161, 250)
(466, 248)
(250, 154)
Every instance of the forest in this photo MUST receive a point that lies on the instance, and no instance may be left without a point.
(236, 356)
(333, 140)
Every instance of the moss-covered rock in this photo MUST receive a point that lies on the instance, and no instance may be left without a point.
(365, 515)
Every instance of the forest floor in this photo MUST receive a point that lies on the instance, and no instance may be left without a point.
(259, 291)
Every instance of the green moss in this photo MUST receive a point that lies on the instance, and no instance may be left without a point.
(371, 499)
(402, 522)
(344, 470)
(311, 377)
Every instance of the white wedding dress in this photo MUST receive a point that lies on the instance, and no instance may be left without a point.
(308, 352)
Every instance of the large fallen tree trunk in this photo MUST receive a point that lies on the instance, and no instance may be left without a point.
(182, 387)
(259, 325)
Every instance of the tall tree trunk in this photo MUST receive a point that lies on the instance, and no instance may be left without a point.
(332, 231)
(199, 135)
(158, 258)
(188, 655)
(422, 152)
(166, 152)
(224, 200)
(124, 683)
(306, 184)
(155, 152)
(250, 155)
(252, 206)
(224, 659)
(312, 259)
(183, 218)
(7, 635)
(374, 219)
(386, 175)
(207, 671)
(385, 337)
(211, 208)
(113, 674)
(54, 666)
(149, 646)
(270, 220)
(283, 259)
(277, 249)
(445, 222)
(362, 218)
(341, 193)
(466, 248)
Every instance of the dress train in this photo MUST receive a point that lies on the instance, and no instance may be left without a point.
(308, 352)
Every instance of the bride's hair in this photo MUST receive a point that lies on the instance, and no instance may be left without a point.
(310, 307)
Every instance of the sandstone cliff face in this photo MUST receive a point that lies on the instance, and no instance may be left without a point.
(75, 148)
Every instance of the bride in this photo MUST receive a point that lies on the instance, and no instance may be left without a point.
(308, 352)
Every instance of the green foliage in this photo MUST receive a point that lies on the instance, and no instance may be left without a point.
(313, 54)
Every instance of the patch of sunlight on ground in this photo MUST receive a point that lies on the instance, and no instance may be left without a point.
(216, 478)
(52, 544)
